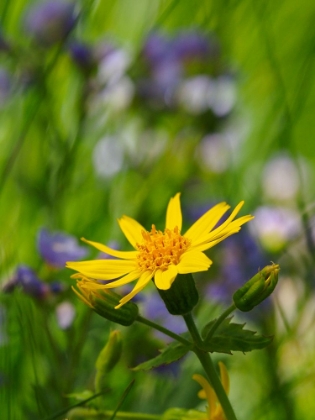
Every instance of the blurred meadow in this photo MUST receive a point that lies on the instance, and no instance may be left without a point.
(112, 107)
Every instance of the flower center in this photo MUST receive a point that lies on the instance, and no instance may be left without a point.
(160, 249)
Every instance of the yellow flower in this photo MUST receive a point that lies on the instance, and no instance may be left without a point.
(214, 409)
(160, 255)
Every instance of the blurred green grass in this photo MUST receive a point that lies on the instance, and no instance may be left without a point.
(47, 136)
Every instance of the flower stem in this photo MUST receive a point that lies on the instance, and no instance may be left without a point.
(219, 320)
(209, 368)
(108, 414)
(164, 331)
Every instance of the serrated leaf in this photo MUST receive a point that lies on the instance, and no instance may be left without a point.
(169, 354)
(230, 337)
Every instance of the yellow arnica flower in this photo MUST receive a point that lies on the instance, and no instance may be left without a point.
(214, 409)
(160, 255)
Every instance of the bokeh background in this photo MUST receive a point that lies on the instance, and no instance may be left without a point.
(112, 107)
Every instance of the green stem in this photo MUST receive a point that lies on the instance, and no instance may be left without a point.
(108, 414)
(209, 368)
(138, 416)
(164, 330)
(219, 320)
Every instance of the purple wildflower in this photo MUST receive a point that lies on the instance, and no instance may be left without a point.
(194, 44)
(50, 22)
(157, 49)
(58, 248)
(155, 310)
(82, 55)
(26, 278)
(5, 85)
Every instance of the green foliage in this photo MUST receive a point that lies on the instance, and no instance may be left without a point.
(230, 337)
(55, 114)
(107, 359)
(169, 354)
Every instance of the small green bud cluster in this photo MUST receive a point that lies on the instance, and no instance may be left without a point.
(257, 289)
(104, 301)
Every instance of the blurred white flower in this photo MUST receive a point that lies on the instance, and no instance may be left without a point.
(280, 178)
(223, 98)
(213, 153)
(108, 157)
(65, 313)
(113, 66)
(118, 95)
(194, 94)
(199, 93)
(275, 226)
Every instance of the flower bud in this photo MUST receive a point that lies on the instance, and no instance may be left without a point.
(182, 296)
(257, 289)
(107, 359)
(103, 301)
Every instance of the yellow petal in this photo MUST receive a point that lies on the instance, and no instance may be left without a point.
(103, 269)
(128, 255)
(123, 280)
(209, 242)
(224, 377)
(231, 226)
(131, 229)
(206, 222)
(228, 228)
(164, 279)
(229, 219)
(214, 237)
(174, 213)
(209, 394)
(193, 262)
(141, 283)
(82, 297)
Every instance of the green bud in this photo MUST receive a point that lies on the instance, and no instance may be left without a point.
(107, 359)
(257, 289)
(104, 301)
(182, 296)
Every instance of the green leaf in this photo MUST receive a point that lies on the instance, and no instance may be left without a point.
(168, 355)
(230, 337)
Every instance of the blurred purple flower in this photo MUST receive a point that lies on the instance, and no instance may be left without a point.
(154, 309)
(194, 44)
(163, 73)
(157, 49)
(5, 85)
(58, 248)
(82, 55)
(26, 279)
(169, 60)
(50, 22)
